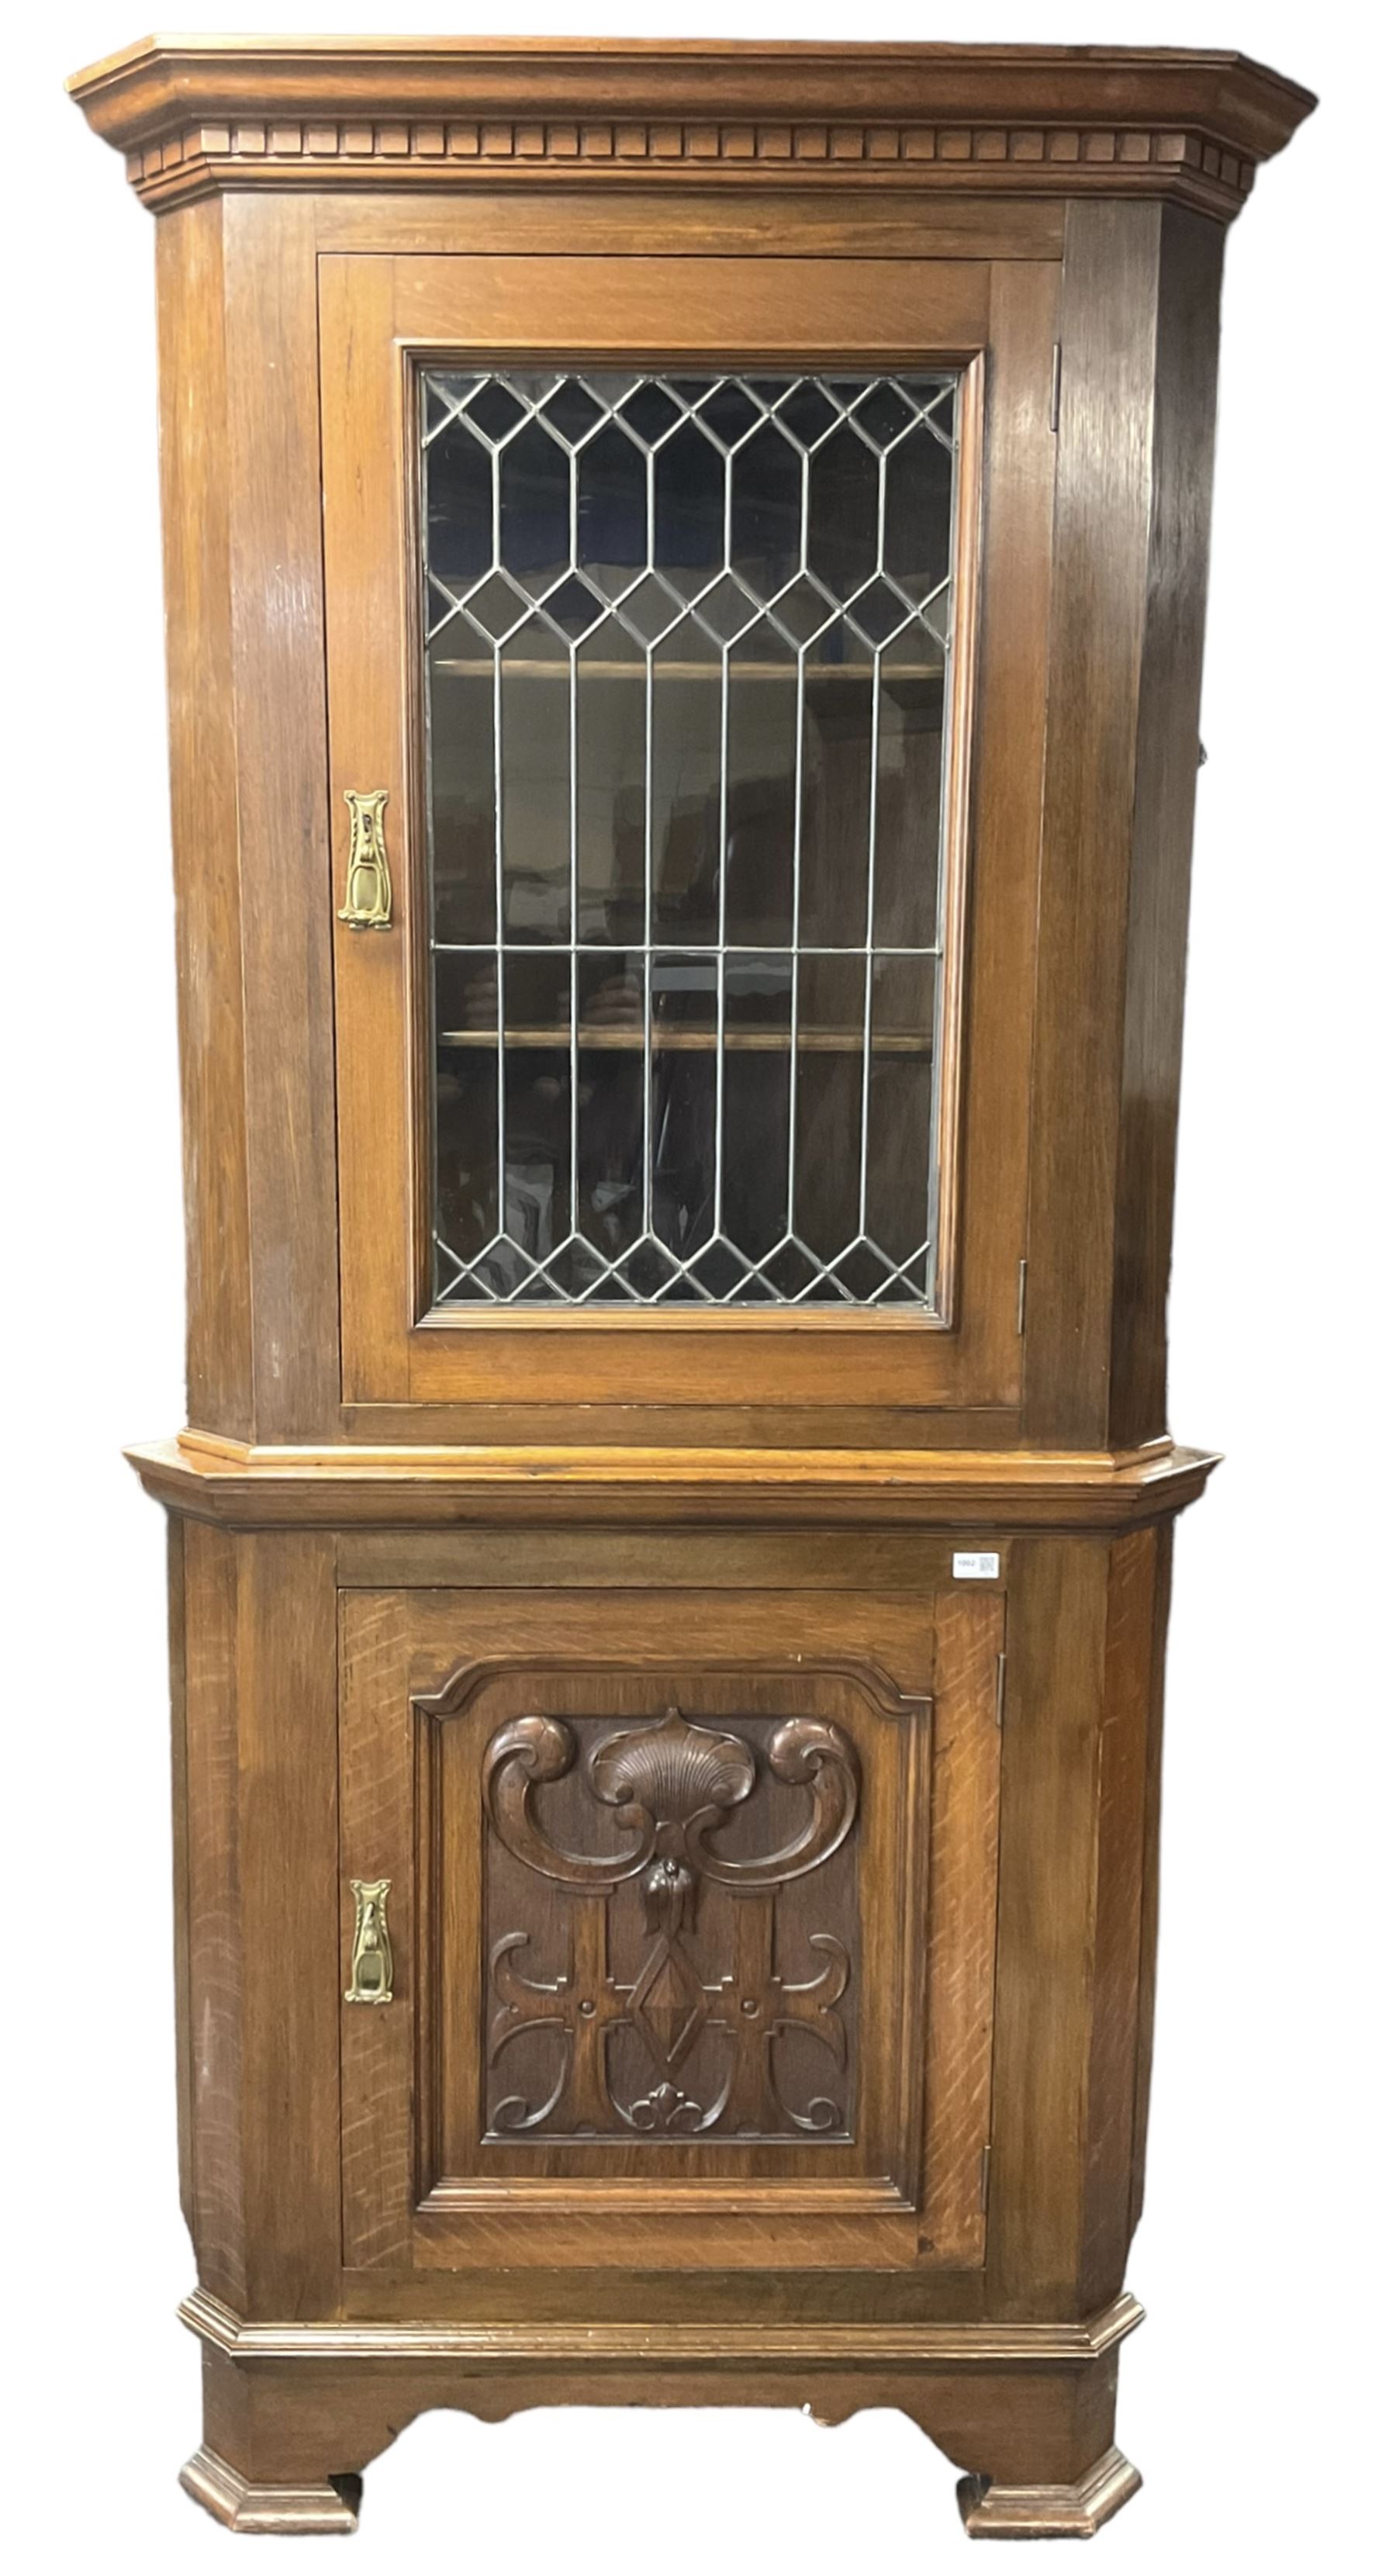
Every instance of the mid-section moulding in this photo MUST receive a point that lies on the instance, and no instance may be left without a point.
(254, 1488)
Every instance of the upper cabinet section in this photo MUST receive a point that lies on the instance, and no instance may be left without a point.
(685, 572)
(399, 111)
(653, 660)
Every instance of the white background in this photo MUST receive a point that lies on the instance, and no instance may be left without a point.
(1250, 2398)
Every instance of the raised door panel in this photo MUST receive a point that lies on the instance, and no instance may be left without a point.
(686, 636)
(691, 1901)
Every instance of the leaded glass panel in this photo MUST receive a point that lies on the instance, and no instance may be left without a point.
(687, 678)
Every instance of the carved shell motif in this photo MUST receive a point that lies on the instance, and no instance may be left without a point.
(674, 1773)
(673, 1784)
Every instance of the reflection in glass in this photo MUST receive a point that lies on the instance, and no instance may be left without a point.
(686, 679)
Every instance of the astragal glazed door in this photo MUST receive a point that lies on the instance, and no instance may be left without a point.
(670, 702)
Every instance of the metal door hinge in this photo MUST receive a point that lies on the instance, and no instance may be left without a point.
(984, 2177)
(1022, 1297)
(1000, 1689)
(1054, 411)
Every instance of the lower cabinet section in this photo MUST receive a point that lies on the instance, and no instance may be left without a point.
(668, 1926)
(686, 1966)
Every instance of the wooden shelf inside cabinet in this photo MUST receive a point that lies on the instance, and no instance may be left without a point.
(744, 1041)
(816, 674)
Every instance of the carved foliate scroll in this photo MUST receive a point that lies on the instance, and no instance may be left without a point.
(672, 2006)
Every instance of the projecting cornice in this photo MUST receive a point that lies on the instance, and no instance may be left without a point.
(399, 112)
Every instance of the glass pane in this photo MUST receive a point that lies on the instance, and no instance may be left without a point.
(687, 649)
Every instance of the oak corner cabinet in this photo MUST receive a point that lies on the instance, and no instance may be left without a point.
(685, 580)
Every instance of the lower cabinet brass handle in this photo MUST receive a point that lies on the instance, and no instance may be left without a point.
(371, 1961)
(368, 896)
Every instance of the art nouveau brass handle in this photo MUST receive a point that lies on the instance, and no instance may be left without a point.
(371, 1960)
(368, 896)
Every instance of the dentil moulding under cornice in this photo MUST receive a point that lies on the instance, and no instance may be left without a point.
(302, 112)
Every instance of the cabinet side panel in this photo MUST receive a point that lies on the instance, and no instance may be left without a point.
(1047, 1896)
(215, 2002)
(1119, 1899)
(964, 1874)
(204, 815)
(1149, 1899)
(279, 685)
(288, 1870)
(179, 1818)
(1164, 795)
(1100, 561)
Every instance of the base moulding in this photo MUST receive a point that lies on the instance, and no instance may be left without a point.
(332, 2504)
(837, 2344)
(990, 2511)
(294, 2411)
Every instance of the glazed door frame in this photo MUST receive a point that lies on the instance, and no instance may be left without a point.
(380, 315)
(867, 1725)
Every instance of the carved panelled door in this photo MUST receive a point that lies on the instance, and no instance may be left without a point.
(691, 1907)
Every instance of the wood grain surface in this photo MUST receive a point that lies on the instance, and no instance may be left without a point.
(645, 1659)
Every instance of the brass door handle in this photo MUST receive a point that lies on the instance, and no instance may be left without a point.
(371, 1960)
(368, 895)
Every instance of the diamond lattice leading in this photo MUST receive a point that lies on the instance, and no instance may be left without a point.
(687, 664)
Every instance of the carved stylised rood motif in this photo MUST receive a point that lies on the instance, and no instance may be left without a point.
(674, 1786)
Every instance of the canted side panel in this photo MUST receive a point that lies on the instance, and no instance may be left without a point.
(257, 1875)
(1075, 1917)
(203, 817)
(964, 1887)
(278, 693)
(1165, 785)
(242, 518)
(179, 1819)
(287, 1727)
(1109, 297)
(212, 1938)
(1045, 1966)
(1119, 1899)
(1149, 1893)
(1140, 287)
